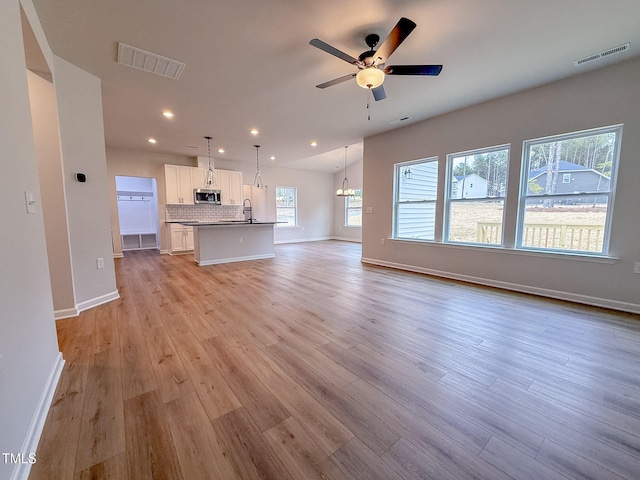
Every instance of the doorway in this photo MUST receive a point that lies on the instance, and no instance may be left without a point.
(138, 212)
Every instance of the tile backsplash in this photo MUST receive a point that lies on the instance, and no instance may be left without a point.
(202, 213)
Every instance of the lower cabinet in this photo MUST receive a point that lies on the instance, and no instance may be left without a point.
(181, 238)
(138, 241)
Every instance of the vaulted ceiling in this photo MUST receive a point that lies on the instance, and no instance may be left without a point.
(248, 64)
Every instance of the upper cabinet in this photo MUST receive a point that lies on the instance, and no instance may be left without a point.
(230, 184)
(177, 179)
(180, 181)
(199, 178)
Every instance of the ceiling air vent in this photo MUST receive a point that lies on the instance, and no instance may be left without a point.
(606, 53)
(149, 62)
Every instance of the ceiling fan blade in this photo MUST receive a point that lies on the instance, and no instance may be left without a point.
(379, 93)
(413, 70)
(335, 81)
(325, 47)
(401, 31)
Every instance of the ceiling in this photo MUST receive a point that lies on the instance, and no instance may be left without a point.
(249, 65)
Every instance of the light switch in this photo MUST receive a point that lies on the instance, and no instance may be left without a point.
(30, 200)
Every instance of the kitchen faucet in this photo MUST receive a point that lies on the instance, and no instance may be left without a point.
(247, 210)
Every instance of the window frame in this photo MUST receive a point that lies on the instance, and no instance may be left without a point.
(449, 200)
(397, 177)
(295, 206)
(524, 196)
(347, 207)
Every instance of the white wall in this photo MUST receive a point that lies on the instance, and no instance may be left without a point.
(29, 356)
(44, 112)
(603, 97)
(315, 190)
(82, 144)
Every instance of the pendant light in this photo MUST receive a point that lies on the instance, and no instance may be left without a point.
(210, 180)
(257, 181)
(345, 191)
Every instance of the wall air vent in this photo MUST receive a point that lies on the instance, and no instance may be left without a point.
(149, 62)
(400, 120)
(598, 56)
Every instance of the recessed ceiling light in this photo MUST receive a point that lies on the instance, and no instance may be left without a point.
(314, 144)
(272, 157)
(253, 131)
(221, 150)
(152, 140)
(167, 114)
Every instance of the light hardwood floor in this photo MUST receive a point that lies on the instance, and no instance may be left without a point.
(312, 365)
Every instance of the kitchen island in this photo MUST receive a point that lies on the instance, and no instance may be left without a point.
(231, 241)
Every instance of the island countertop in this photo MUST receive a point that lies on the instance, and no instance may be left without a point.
(231, 241)
(222, 223)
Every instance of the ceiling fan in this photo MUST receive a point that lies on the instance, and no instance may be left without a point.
(371, 63)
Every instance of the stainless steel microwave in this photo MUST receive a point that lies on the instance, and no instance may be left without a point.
(205, 195)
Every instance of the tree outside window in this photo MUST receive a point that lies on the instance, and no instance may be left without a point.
(353, 209)
(286, 206)
(477, 185)
(567, 191)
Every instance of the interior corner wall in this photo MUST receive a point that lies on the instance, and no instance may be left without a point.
(28, 342)
(607, 96)
(340, 230)
(44, 115)
(82, 145)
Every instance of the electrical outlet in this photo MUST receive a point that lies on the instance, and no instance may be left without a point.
(636, 267)
(240, 239)
(382, 241)
(99, 263)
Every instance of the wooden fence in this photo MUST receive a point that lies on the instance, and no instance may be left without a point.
(586, 238)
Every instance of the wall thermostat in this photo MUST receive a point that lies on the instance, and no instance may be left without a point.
(81, 177)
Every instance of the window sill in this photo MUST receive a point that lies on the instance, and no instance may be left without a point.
(512, 251)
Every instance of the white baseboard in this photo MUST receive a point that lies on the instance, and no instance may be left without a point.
(118, 255)
(94, 302)
(235, 259)
(66, 313)
(21, 470)
(543, 292)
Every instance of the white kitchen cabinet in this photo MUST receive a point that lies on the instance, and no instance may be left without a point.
(180, 181)
(178, 184)
(181, 238)
(199, 178)
(230, 184)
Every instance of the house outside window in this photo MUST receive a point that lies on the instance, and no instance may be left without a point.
(575, 216)
(475, 196)
(415, 193)
(286, 206)
(353, 209)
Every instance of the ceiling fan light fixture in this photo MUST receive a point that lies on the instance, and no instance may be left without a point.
(370, 77)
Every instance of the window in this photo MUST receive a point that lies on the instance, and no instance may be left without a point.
(416, 186)
(477, 185)
(353, 209)
(286, 202)
(573, 216)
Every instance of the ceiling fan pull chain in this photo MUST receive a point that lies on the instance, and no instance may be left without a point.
(368, 104)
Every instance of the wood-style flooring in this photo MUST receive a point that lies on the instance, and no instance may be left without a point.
(312, 365)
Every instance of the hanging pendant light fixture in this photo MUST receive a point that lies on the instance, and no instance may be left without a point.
(257, 181)
(345, 191)
(210, 180)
